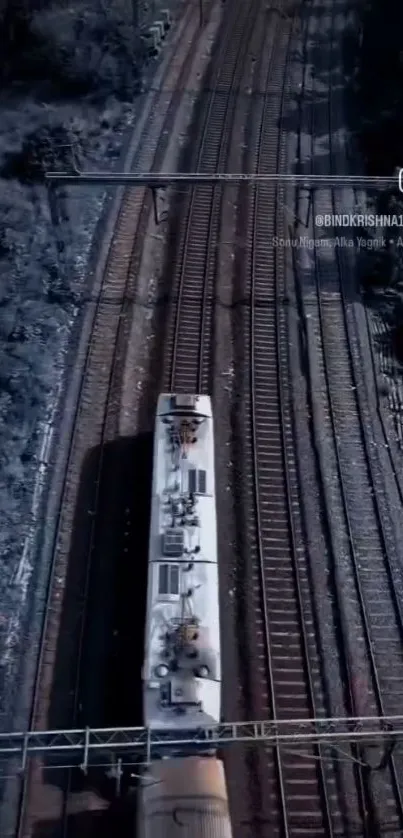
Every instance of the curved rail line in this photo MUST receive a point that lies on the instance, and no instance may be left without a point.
(388, 419)
(188, 342)
(93, 402)
(358, 805)
(302, 790)
(382, 599)
(370, 604)
(336, 533)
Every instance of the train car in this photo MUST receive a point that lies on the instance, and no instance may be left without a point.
(182, 665)
(185, 798)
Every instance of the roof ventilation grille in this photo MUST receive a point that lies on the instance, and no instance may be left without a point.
(173, 542)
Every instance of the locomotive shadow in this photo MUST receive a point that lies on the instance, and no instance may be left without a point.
(119, 818)
(108, 560)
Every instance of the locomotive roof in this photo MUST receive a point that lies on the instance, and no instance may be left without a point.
(183, 632)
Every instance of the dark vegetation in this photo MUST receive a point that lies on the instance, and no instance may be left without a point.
(70, 50)
(74, 62)
(379, 91)
(379, 95)
(69, 75)
(380, 82)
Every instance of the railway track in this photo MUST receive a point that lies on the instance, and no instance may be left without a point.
(361, 534)
(92, 426)
(300, 791)
(188, 342)
(285, 619)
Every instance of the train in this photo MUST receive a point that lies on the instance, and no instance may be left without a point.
(182, 657)
(184, 793)
(185, 798)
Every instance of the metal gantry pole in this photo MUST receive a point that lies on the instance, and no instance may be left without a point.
(79, 747)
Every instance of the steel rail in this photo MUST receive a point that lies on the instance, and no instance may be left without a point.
(190, 320)
(253, 361)
(350, 529)
(265, 52)
(384, 552)
(355, 773)
(290, 803)
(142, 202)
(347, 499)
(344, 778)
(364, 433)
(255, 447)
(349, 534)
(82, 743)
(347, 661)
(384, 549)
(390, 443)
